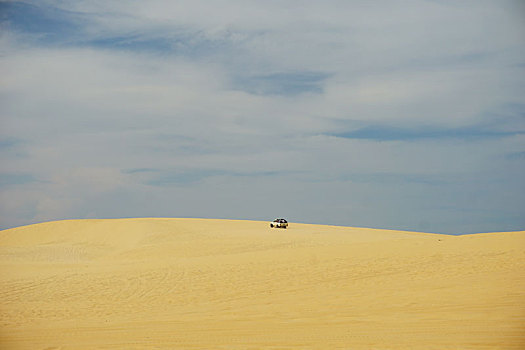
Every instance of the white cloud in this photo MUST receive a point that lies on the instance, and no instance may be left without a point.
(227, 108)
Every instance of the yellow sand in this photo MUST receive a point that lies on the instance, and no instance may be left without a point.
(220, 284)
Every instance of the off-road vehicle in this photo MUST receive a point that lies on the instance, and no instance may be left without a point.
(279, 223)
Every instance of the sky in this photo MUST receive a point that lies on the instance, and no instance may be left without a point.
(406, 115)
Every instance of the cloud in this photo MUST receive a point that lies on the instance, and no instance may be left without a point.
(365, 114)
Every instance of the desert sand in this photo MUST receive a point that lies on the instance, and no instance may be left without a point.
(225, 284)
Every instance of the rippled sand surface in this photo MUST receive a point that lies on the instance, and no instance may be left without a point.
(221, 284)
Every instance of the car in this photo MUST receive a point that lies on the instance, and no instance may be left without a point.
(279, 223)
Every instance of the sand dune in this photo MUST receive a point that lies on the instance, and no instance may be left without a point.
(221, 284)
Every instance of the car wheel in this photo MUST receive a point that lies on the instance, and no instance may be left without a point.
(271, 225)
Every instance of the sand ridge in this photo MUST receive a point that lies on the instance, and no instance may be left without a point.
(231, 284)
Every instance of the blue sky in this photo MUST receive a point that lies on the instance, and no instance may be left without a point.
(402, 115)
